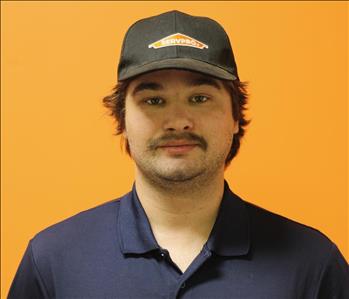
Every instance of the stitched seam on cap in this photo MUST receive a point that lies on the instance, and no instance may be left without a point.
(175, 30)
(126, 38)
(135, 68)
(127, 35)
(177, 58)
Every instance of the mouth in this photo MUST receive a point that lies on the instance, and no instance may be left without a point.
(178, 147)
(177, 143)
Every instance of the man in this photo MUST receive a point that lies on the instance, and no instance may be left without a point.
(181, 232)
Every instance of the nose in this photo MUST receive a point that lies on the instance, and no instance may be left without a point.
(178, 119)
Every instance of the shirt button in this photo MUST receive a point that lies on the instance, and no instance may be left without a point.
(183, 285)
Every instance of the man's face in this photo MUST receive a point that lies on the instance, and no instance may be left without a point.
(178, 124)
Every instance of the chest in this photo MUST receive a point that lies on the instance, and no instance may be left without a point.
(155, 277)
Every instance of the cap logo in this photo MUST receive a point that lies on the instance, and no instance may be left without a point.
(178, 39)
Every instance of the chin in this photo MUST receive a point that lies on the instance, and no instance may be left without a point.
(179, 175)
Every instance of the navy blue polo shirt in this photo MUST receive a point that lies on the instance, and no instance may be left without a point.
(110, 252)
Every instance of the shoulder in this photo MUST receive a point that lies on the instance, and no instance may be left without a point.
(270, 225)
(308, 252)
(273, 233)
(91, 225)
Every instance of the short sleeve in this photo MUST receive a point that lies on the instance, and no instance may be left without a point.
(27, 282)
(334, 282)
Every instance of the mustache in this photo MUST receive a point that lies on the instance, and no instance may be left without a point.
(188, 136)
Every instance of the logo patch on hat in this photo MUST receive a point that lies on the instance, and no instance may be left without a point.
(178, 39)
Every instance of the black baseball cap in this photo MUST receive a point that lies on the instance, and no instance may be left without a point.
(177, 40)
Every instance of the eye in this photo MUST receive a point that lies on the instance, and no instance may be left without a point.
(199, 98)
(154, 101)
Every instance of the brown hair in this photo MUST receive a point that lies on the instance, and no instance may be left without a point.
(115, 102)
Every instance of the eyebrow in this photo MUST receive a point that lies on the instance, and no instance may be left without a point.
(204, 81)
(147, 86)
(198, 81)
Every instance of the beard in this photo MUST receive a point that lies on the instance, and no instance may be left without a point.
(178, 172)
(160, 168)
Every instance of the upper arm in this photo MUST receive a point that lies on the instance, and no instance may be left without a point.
(334, 280)
(28, 282)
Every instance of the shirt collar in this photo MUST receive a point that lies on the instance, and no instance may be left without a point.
(229, 237)
(134, 228)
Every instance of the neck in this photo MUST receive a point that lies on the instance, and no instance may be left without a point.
(186, 209)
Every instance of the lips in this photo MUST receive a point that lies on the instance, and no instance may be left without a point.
(178, 147)
(178, 143)
(179, 140)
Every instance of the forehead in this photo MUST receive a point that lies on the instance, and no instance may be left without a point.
(163, 78)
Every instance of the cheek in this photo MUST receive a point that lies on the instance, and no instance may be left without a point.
(221, 130)
(220, 121)
(138, 126)
(227, 120)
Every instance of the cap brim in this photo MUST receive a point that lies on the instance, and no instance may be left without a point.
(179, 63)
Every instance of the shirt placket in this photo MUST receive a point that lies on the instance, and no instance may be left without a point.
(179, 282)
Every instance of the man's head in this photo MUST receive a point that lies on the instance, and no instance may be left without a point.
(178, 95)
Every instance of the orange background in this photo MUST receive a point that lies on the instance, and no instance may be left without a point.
(59, 155)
